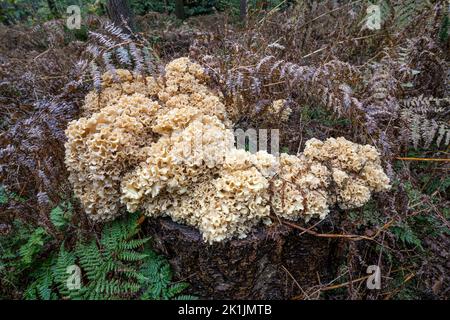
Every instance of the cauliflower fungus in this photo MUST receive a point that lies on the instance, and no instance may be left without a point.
(166, 147)
(279, 109)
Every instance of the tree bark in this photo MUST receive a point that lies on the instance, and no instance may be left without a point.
(271, 263)
(179, 9)
(120, 14)
(243, 10)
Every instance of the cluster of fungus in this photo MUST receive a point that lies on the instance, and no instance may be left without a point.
(166, 147)
(279, 109)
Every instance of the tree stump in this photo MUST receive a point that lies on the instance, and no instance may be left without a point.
(274, 262)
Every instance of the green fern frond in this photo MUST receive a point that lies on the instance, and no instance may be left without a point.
(63, 261)
(133, 274)
(133, 244)
(129, 255)
(175, 289)
(118, 265)
(61, 215)
(41, 287)
(33, 246)
(90, 259)
(158, 279)
(115, 233)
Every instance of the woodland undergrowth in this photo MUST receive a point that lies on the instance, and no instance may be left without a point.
(389, 88)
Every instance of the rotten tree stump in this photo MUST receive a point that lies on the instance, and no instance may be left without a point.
(261, 266)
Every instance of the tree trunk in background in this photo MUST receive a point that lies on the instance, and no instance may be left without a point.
(166, 6)
(243, 10)
(179, 9)
(119, 11)
(271, 263)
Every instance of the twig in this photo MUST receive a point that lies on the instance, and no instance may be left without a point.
(340, 42)
(353, 237)
(388, 295)
(41, 54)
(271, 12)
(422, 159)
(141, 220)
(295, 281)
(331, 11)
(336, 286)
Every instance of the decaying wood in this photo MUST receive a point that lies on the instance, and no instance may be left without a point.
(274, 262)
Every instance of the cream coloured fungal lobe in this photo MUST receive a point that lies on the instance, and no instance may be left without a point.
(165, 147)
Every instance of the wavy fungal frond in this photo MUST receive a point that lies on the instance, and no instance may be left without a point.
(167, 146)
